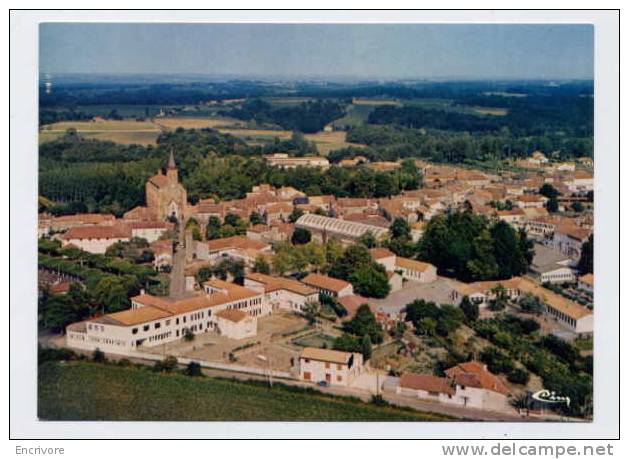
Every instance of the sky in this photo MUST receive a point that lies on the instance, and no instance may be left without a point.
(479, 51)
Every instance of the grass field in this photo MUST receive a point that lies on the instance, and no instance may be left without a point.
(374, 101)
(146, 132)
(197, 123)
(315, 340)
(494, 111)
(74, 391)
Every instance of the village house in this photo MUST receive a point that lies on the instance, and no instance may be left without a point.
(281, 292)
(149, 230)
(236, 247)
(163, 252)
(236, 324)
(95, 238)
(139, 214)
(336, 288)
(152, 321)
(570, 314)
(477, 387)
(284, 161)
(414, 270)
(586, 282)
(569, 239)
(550, 265)
(335, 368)
(527, 201)
(65, 222)
(468, 384)
(426, 387)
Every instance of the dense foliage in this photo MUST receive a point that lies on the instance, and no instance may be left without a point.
(470, 248)
(357, 266)
(306, 117)
(102, 183)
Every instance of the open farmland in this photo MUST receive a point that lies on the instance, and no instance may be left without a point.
(197, 123)
(494, 111)
(73, 391)
(124, 131)
(328, 141)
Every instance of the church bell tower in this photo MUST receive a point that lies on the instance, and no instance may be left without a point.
(171, 172)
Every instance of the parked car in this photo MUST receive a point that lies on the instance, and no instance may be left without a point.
(323, 383)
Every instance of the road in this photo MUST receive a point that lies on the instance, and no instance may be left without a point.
(395, 399)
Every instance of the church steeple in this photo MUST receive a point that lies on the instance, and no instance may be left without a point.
(171, 172)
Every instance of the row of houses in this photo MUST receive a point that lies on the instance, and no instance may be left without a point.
(468, 384)
(570, 314)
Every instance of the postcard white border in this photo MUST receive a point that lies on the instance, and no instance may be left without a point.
(23, 224)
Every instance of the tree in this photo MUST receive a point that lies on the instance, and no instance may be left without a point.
(112, 293)
(99, 356)
(586, 261)
(261, 266)
(347, 343)
(213, 228)
(371, 281)
(353, 258)
(364, 323)
(507, 250)
(549, 191)
(301, 236)
(368, 240)
(366, 347)
(466, 246)
(552, 205)
(530, 304)
(59, 311)
(166, 365)
(193, 369)
(256, 219)
(469, 308)
(518, 376)
(577, 206)
(400, 229)
(233, 220)
(295, 214)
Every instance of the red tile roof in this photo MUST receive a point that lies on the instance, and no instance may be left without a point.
(96, 232)
(325, 282)
(474, 374)
(426, 383)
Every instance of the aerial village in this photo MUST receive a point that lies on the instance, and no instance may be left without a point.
(295, 321)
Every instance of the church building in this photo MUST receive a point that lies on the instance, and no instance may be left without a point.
(165, 196)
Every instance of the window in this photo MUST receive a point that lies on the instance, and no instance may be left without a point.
(146, 328)
(134, 331)
(339, 366)
(327, 364)
(167, 322)
(177, 321)
(339, 378)
(306, 360)
(157, 325)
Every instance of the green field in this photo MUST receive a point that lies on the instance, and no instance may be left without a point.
(315, 340)
(72, 391)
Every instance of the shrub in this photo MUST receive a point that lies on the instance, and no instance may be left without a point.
(166, 365)
(518, 376)
(193, 369)
(99, 356)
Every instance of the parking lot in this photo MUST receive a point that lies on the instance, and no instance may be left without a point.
(438, 291)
